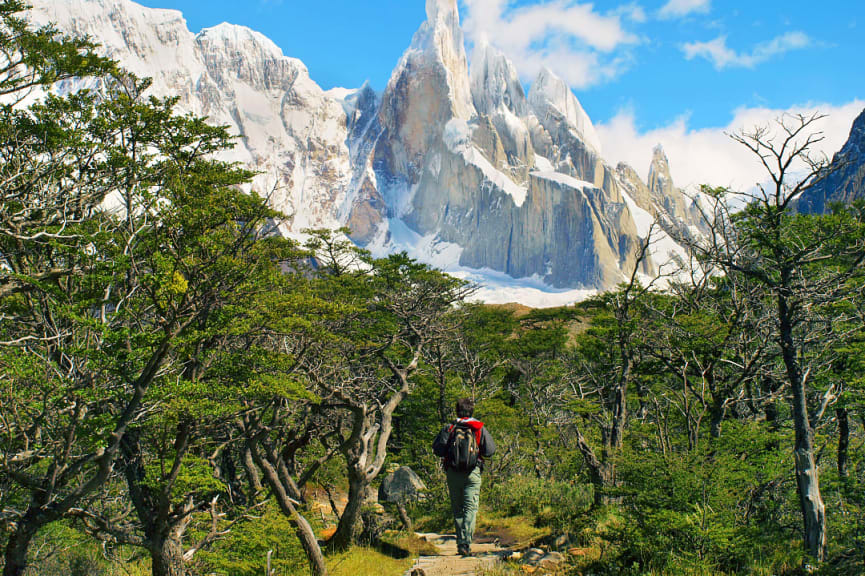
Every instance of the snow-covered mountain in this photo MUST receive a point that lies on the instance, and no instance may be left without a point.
(459, 167)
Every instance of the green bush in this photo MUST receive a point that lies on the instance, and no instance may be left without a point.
(244, 551)
(727, 506)
(550, 503)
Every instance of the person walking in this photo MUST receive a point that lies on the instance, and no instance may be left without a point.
(463, 446)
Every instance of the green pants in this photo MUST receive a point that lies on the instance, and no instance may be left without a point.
(465, 492)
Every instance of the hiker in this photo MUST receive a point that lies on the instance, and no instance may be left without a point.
(463, 446)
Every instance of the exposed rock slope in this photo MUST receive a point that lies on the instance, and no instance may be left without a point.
(845, 182)
(464, 170)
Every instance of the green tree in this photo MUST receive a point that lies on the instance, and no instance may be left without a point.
(199, 247)
(804, 264)
(119, 240)
(394, 309)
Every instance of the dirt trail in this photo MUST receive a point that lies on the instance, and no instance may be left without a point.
(448, 563)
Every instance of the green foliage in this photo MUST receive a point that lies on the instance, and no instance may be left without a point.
(154, 330)
(549, 503)
(724, 507)
(244, 551)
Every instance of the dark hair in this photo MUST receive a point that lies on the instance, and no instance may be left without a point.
(465, 408)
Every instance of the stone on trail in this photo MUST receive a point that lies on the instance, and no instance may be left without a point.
(540, 559)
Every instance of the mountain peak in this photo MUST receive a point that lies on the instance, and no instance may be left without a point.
(438, 46)
(660, 179)
(856, 142)
(442, 10)
(659, 158)
(458, 171)
(552, 95)
(844, 181)
(233, 34)
(495, 82)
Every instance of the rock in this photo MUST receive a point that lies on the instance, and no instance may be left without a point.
(551, 561)
(540, 559)
(553, 101)
(401, 486)
(370, 496)
(845, 181)
(533, 556)
(292, 133)
(374, 523)
(418, 572)
(561, 542)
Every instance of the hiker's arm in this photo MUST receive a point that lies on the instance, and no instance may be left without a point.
(489, 445)
(440, 444)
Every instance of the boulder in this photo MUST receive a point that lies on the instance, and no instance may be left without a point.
(551, 561)
(533, 556)
(402, 485)
(547, 561)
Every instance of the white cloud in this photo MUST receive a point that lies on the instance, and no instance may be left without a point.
(680, 8)
(571, 38)
(633, 12)
(722, 56)
(709, 155)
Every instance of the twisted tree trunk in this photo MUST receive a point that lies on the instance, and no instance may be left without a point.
(15, 556)
(807, 473)
(166, 556)
(302, 528)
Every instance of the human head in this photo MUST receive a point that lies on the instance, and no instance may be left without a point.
(465, 408)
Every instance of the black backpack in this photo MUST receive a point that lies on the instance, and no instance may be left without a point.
(462, 449)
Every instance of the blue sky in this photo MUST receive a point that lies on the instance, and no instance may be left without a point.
(643, 69)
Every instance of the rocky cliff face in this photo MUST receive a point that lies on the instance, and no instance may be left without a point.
(466, 165)
(516, 182)
(845, 181)
(659, 195)
(662, 210)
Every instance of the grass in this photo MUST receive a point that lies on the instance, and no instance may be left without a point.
(358, 561)
(408, 544)
(512, 531)
(397, 555)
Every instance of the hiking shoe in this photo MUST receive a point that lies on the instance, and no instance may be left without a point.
(464, 551)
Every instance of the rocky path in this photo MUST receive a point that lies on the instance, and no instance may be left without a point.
(448, 563)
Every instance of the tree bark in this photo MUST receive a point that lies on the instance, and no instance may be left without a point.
(620, 404)
(251, 472)
(302, 528)
(443, 383)
(807, 473)
(15, 556)
(347, 527)
(366, 451)
(404, 517)
(843, 441)
(770, 409)
(716, 415)
(599, 473)
(166, 557)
